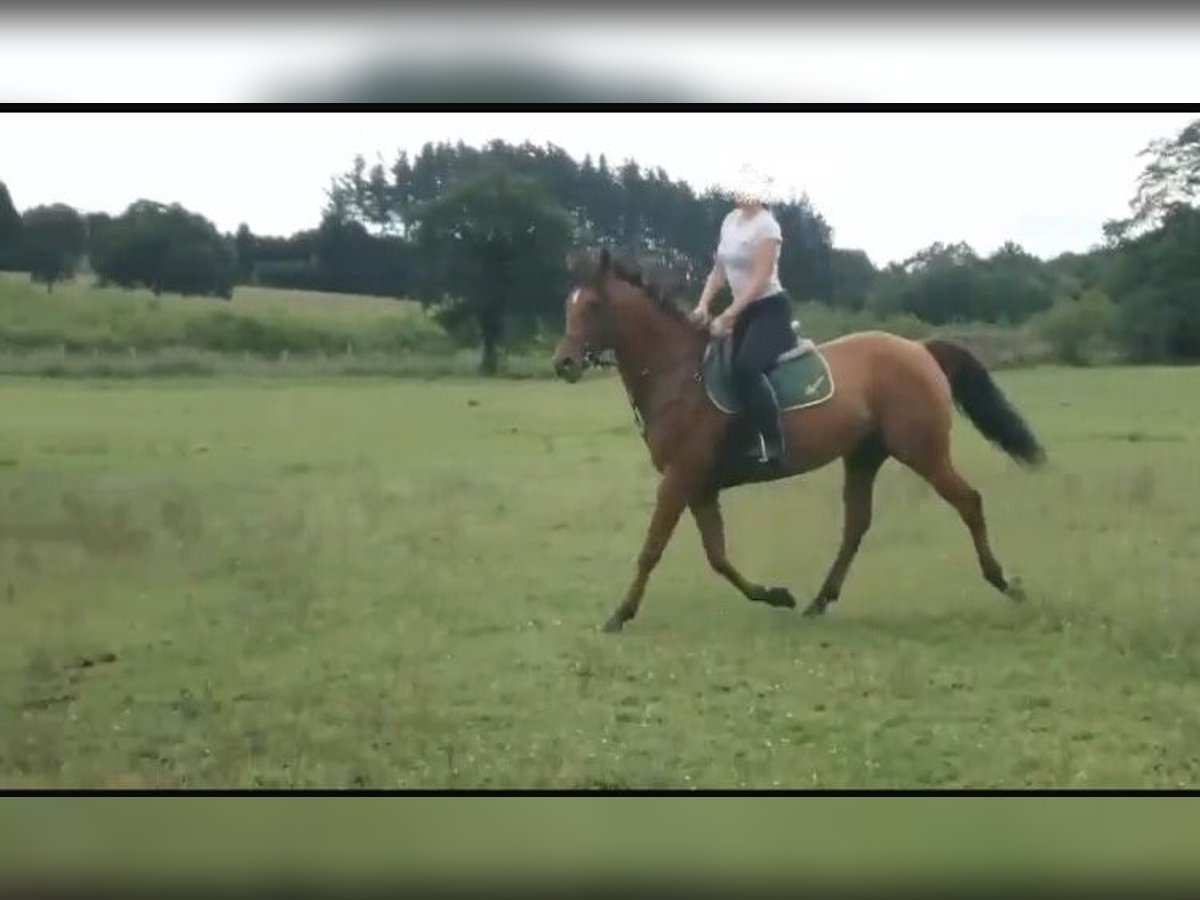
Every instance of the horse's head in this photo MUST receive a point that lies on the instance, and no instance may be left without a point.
(588, 331)
(616, 306)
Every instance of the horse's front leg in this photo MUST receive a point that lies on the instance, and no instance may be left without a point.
(672, 499)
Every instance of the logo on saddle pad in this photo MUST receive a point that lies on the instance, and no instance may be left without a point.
(800, 377)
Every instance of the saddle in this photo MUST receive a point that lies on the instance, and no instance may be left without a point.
(800, 376)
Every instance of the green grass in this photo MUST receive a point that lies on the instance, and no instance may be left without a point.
(360, 582)
(81, 331)
(83, 328)
(78, 295)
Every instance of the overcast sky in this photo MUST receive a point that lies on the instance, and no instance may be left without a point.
(889, 183)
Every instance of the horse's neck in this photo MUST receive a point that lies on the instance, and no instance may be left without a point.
(656, 355)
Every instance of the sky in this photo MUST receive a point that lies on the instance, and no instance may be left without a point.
(889, 183)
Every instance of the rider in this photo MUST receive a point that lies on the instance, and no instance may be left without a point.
(760, 316)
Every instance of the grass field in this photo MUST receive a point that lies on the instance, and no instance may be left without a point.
(69, 297)
(363, 582)
(81, 330)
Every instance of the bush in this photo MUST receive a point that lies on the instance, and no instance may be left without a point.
(822, 323)
(1080, 331)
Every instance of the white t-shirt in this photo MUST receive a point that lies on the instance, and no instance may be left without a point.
(740, 237)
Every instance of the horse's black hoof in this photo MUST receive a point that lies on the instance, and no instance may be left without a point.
(816, 608)
(613, 625)
(779, 597)
(1015, 590)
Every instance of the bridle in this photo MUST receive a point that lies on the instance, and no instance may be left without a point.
(593, 358)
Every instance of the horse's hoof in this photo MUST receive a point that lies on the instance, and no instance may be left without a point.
(1015, 590)
(779, 597)
(816, 608)
(614, 625)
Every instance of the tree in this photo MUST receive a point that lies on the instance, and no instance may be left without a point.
(637, 209)
(53, 240)
(1152, 267)
(853, 277)
(938, 284)
(805, 262)
(1170, 179)
(97, 225)
(1157, 282)
(1072, 273)
(243, 244)
(166, 249)
(349, 259)
(950, 283)
(10, 229)
(1013, 285)
(493, 247)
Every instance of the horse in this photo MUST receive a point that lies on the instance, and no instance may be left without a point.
(893, 398)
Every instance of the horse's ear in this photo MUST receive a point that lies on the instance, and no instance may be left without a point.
(605, 263)
(584, 267)
(577, 264)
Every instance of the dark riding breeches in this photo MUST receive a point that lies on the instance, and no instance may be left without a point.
(762, 332)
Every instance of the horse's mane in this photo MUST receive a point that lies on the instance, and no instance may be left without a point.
(656, 287)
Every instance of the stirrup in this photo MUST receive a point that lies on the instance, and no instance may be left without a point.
(759, 452)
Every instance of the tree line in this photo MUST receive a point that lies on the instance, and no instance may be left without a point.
(479, 235)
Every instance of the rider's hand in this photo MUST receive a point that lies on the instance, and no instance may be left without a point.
(701, 315)
(723, 324)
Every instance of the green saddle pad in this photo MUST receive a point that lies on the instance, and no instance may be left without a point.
(801, 377)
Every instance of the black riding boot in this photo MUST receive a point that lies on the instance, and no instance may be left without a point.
(763, 407)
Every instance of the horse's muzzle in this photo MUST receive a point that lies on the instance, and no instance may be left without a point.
(568, 368)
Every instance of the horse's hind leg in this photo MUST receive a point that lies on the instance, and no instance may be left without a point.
(955, 490)
(861, 467)
(707, 513)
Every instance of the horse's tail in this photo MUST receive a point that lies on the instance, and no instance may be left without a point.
(977, 395)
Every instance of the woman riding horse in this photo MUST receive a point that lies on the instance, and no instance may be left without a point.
(760, 316)
(894, 400)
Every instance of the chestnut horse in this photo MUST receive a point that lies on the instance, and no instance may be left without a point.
(894, 398)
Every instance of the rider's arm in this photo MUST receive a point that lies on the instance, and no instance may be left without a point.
(714, 283)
